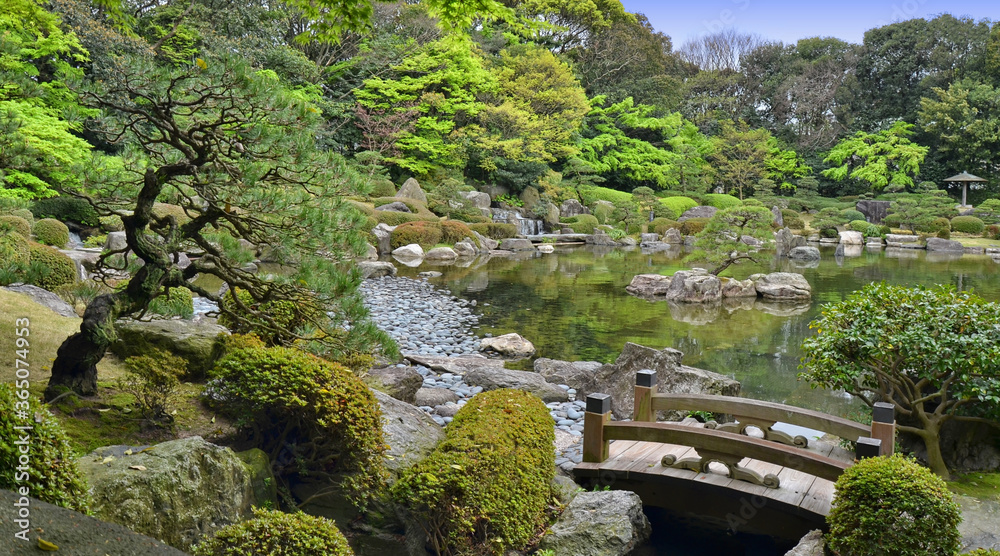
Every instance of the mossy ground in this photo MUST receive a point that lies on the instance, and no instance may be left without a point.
(981, 485)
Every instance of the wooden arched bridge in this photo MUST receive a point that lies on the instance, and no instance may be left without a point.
(746, 462)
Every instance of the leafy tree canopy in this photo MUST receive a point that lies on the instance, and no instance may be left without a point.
(877, 159)
(721, 242)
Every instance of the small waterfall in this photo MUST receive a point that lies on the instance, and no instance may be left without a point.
(525, 226)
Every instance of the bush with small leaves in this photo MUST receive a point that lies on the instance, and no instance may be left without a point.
(852, 214)
(992, 232)
(829, 233)
(967, 225)
(485, 488)
(13, 249)
(692, 226)
(11, 223)
(277, 534)
(582, 223)
(425, 234)
(892, 506)
(312, 417)
(51, 232)
(66, 209)
(858, 225)
(112, 223)
(943, 233)
(603, 211)
(495, 230)
(177, 302)
(677, 205)
(721, 201)
(52, 475)
(454, 231)
(661, 225)
(392, 218)
(287, 317)
(792, 219)
(21, 213)
(54, 269)
(940, 224)
(153, 380)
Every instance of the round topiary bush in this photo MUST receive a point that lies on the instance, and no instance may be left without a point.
(14, 249)
(314, 418)
(967, 225)
(485, 488)
(677, 205)
(692, 226)
(286, 317)
(852, 214)
(23, 213)
(425, 234)
(51, 475)
(829, 233)
(858, 225)
(392, 218)
(51, 232)
(661, 225)
(66, 209)
(454, 231)
(582, 223)
(892, 220)
(495, 230)
(9, 222)
(940, 224)
(943, 233)
(892, 506)
(277, 534)
(792, 219)
(721, 201)
(54, 269)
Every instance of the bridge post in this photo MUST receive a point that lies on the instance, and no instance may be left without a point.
(595, 446)
(884, 426)
(868, 448)
(645, 387)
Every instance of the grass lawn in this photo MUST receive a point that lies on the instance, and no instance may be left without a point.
(981, 485)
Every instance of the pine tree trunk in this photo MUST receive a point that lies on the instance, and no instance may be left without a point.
(75, 367)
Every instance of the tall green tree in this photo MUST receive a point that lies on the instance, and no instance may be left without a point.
(743, 156)
(239, 153)
(721, 243)
(877, 159)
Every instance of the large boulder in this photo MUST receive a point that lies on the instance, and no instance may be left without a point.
(496, 378)
(401, 383)
(576, 374)
(479, 199)
(383, 233)
(44, 298)
(115, 241)
(73, 532)
(804, 253)
(200, 343)
(851, 237)
(649, 285)
(785, 241)
(509, 345)
(411, 190)
(411, 251)
(433, 397)
(455, 364)
(441, 254)
(395, 206)
(572, 207)
(698, 212)
(694, 286)
(600, 238)
(672, 236)
(738, 288)
(903, 241)
(780, 286)
(938, 244)
(410, 433)
(177, 491)
(810, 545)
(604, 523)
(487, 244)
(465, 249)
(376, 269)
(874, 211)
(779, 220)
(516, 244)
(648, 239)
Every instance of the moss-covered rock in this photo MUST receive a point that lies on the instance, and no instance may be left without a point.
(277, 534)
(199, 343)
(177, 491)
(51, 232)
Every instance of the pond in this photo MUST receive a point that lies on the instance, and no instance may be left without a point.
(572, 305)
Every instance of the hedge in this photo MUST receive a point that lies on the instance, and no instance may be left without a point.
(495, 230)
(393, 218)
(968, 225)
(792, 219)
(661, 225)
(9, 222)
(51, 232)
(692, 226)
(13, 250)
(426, 234)
(582, 223)
(589, 194)
(454, 231)
(677, 205)
(56, 268)
(721, 201)
(66, 209)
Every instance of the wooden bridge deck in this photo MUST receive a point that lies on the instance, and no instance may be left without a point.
(639, 462)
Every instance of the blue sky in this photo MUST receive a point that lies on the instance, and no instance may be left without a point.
(789, 21)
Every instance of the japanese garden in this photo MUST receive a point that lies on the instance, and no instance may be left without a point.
(497, 277)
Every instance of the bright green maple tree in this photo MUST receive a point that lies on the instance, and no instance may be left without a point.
(877, 159)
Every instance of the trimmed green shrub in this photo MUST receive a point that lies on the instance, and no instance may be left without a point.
(96, 241)
(453, 231)
(721, 201)
(792, 219)
(112, 223)
(661, 225)
(315, 418)
(858, 225)
(277, 534)
(16, 224)
(850, 215)
(891, 220)
(677, 205)
(892, 506)
(582, 223)
(967, 225)
(992, 232)
(153, 380)
(495, 230)
(382, 187)
(22, 213)
(286, 316)
(55, 268)
(66, 209)
(829, 233)
(13, 249)
(944, 233)
(178, 302)
(395, 218)
(603, 212)
(692, 226)
(589, 194)
(940, 224)
(426, 234)
(52, 475)
(485, 488)
(51, 232)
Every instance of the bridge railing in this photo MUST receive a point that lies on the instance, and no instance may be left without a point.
(726, 446)
(763, 415)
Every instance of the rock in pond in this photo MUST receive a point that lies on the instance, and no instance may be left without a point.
(608, 523)
(411, 251)
(780, 286)
(509, 345)
(376, 269)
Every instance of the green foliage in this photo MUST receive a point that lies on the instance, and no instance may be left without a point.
(153, 381)
(992, 232)
(393, 218)
(720, 243)
(494, 230)
(693, 226)
(919, 212)
(989, 211)
(112, 223)
(13, 249)
(944, 233)
(743, 158)
(617, 234)
(934, 352)
(582, 223)
(51, 232)
(967, 225)
(720, 200)
(49, 267)
(96, 241)
(941, 224)
(827, 219)
(850, 215)
(891, 506)
(52, 475)
(591, 194)
(984, 552)
(312, 417)
(245, 315)
(177, 302)
(792, 219)
(661, 225)
(603, 212)
(677, 205)
(277, 534)
(858, 225)
(10, 223)
(453, 231)
(509, 200)
(485, 488)
(66, 209)
(877, 159)
(425, 234)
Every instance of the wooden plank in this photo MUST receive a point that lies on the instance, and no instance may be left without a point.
(622, 458)
(644, 458)
(844, 428)
(819, 498)
(794, 486)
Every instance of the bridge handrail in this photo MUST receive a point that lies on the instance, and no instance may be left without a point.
(708, 441)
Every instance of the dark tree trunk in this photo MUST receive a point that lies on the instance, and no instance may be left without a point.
(75, 367)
